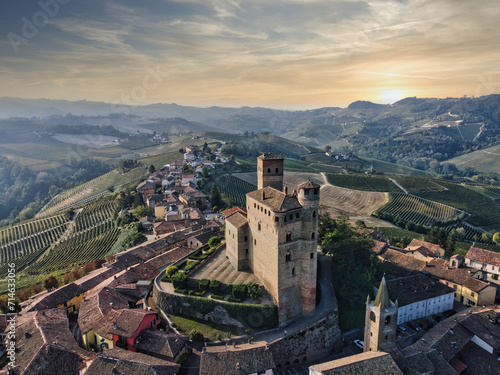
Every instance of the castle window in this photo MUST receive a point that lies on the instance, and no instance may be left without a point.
(277, 219)
(293, 271)
(254, 205)
(288, 257)
(312, 255)
(387, 319)
(268, 170)
(288, 237)
(246, 238)
(372, 317)
(291, 217)
(386, 337)
(284, 218)
(277, 170)
(262, 209)
(246, 251)
(265, 211)
(313, 236)
(314, 214)
(229, 232)
(297, 215)
(255, 242)
(315, 191)
(268, 213)
(259, 226)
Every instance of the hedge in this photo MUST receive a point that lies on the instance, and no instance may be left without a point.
(255, 316)
(217, 296)
(214, 286)
(239, 291)
(234, 299)
(204, 285)
(191, 264)
(179, 280)
(181, 291)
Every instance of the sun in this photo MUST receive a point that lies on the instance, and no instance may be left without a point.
(391, 96)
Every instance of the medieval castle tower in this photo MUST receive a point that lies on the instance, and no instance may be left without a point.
(277, 238)
(380, 321)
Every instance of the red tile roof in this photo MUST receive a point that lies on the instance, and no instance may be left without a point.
(485, 256)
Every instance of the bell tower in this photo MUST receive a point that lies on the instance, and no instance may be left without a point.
(380, 321)
(270, 171)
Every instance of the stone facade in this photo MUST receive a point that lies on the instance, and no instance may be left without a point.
(277, 239)
(315, 342)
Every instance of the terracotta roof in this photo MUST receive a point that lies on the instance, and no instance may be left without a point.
(458, 257)
(308, 185)
(484, 256)
(237, 219)
(408, 290)
(436, 249)
(269, 156)
(275, 200)
(128, 322)
(160, 342)
(368, 363)
(379, 247)
(244, 361)
(46, 345)
(231, 211)
(145, 185)
(119, 361)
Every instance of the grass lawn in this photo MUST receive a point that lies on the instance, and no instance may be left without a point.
(211, 331)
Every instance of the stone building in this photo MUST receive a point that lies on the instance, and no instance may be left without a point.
(381, 321)
(277, 238)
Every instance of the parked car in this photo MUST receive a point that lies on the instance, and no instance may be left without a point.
(360, 344)
(402, 328)
(417, 327)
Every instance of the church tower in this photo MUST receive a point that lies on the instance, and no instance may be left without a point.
(380, 321)
(270, 171)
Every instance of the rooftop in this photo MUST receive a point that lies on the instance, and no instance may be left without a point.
(160, 342)
(408, 290)
(275, 200)
(435, 249)
(128, 322)
(269, 156)
(484, 256)
(368, 363)
(237, 219)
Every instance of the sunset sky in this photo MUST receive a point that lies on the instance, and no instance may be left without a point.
(286, 54)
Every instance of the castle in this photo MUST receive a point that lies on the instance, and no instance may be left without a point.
(277, 239)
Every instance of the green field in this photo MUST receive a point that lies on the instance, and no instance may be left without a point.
(235, 189)
(486, 160)
(415, 184)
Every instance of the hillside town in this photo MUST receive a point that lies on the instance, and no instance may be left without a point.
(258, 271)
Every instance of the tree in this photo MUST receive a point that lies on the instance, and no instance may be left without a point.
(204, 172)
(215, 197)
(141, 211)
(496, 238)
(51, 283)
(328, 148)
(89, 267)
(152, 169)
(170, 271)
(98, 263)
(485, 237)
(450, 245)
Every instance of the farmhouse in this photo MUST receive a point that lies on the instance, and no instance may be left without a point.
(488, 262)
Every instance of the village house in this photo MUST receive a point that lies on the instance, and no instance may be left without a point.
(423, 249)
(485, 261)
(146, 188)
(161, 344)
(419, 296)
(468, 290)
(129, 324)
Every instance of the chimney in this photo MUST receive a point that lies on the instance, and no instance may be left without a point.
(285, 190)
(115, 325)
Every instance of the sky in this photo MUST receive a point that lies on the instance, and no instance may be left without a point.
(284, 54)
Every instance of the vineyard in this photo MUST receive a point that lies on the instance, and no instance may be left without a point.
(417, 210)
(78, 249)
(235, 189)
(415, 184)
(32, 236)
(363, 182)
(483, 210)
(95, 213)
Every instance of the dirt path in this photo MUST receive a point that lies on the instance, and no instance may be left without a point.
(398, 185)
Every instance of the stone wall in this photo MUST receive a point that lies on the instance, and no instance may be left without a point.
(318, 340)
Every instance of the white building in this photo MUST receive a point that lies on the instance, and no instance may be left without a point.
(486, 261)
(419, 296)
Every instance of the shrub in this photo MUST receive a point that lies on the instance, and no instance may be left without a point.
(179, 280)
(181, 291)
(214, 286)
(170, 271)
(195, 335)
(199, 293)
(218, 336)
(204, 285)
(254, 290)
(239, 291)
(191, 264)
(234, 299)
(217, 296)
(214, 242)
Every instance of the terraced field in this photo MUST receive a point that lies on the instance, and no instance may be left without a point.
(417, 210)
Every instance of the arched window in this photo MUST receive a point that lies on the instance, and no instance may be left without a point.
(268, 170)
(259, 226)
(293, 271)
(387, 319)
(314, 214)
(313, 236)
(277, 170)
(288, 237)
(288, 257)
(372, 317)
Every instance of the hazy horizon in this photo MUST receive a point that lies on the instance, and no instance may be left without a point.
(290, 54)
